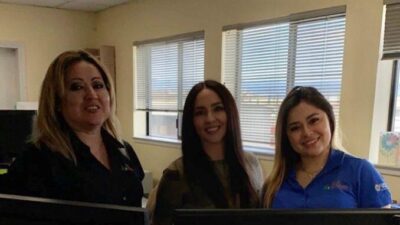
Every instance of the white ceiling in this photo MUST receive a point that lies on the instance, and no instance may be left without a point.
(82, 5)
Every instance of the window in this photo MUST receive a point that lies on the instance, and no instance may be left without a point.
(391, 51)
(263, 62)
(166, 70)
(391, 44)
(394, 112)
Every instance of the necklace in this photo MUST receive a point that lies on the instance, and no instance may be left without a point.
(310, 174)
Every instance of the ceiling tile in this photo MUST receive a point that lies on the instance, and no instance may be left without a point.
(84, 5)
(46, 3)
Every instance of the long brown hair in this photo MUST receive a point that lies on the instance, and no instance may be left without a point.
(51, 129)
(197, 166)
(285, 157)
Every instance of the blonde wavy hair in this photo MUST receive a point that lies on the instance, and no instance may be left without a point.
(285, 157)
(50, 128)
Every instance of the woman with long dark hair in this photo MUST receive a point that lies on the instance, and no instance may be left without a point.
(214, 171)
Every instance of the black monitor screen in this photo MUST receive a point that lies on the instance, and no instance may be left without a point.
(286, 217)
(15, 129)
(23, 210)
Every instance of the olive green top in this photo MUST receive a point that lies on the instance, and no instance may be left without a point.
(174, 191)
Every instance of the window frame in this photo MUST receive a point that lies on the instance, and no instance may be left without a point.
(180, 40)
(393, 94)
(293, 22)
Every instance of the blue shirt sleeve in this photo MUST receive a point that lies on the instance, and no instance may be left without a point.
(373, 191)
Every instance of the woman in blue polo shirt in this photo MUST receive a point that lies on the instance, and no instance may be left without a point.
(308, 172)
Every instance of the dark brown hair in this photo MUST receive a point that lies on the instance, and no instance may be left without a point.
(197, 165)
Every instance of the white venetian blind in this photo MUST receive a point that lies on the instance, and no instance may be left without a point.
(395, 126)
(256, 75)
(261, 63)
(319, 56)
(166, 71)
(391, 44)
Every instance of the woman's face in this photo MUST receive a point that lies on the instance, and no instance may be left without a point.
(86, 103)
(209, 118)
(308, 130)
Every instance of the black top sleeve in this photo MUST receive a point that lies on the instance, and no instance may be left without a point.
(29, 174)
(135, 161)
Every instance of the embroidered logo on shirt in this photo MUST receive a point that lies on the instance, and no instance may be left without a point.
(336, 185)
(381, 187)
(126, 167)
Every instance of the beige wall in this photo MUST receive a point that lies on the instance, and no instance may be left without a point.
(143, 20)
(44, 33)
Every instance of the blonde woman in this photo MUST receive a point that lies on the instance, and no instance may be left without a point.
(76, 151)
(308, 172)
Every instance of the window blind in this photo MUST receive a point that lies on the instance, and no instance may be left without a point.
(256, 75)
(261, 63)
(394, 116)
(391, 44)
(166, 71)
(319, 56)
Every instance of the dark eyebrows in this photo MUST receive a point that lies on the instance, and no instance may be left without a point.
(96, 78)
(75, 79)
(307, 118)
(292, 124)
(212, 105)
(312, 115)
(199, 107)
(217, 104)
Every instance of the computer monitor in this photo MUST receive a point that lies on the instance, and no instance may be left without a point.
(15, 130)
(286, 217)
(24, 210)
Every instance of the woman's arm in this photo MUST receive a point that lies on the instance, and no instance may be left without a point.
(169, 196)
(135, 160)
(255, 172)
(373, 191)
(29, 174)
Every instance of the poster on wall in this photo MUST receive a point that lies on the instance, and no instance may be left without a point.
(389, 149)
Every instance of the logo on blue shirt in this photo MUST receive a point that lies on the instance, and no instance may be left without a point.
(381, 187)
(336, 185)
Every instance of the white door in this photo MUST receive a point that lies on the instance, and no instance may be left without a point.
(9, 78)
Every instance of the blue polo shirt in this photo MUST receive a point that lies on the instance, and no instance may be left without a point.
(344, 182)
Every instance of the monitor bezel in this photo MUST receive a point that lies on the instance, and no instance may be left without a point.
(69, 212)
(286, 217)
(7, 154)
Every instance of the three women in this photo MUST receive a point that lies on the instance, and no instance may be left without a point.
(77, 153)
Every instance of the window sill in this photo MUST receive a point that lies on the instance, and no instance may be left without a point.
(261, 153)
(163, 142)
(388, 170)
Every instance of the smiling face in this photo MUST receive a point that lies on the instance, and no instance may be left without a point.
(308, 130)
(209, 118)
(85, 105)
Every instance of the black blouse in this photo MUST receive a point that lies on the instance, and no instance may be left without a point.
(44, 173)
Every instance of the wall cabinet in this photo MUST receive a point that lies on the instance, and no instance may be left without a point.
(106, 55)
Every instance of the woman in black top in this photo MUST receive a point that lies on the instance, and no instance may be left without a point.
(76, 151)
